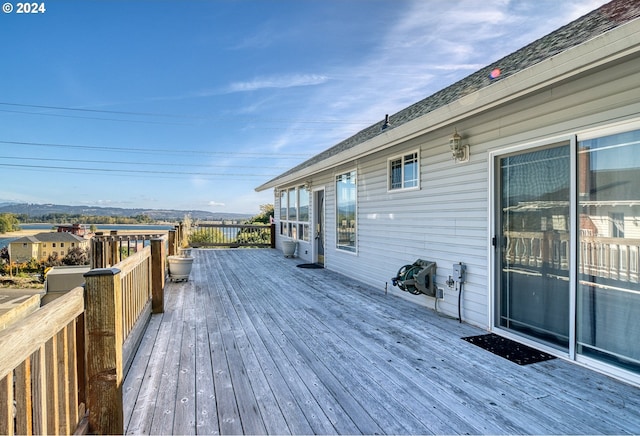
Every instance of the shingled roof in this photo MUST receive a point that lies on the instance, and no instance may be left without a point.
(26, 240)
(597, 22)
(50, 237)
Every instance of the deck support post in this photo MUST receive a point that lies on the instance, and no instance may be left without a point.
(158, 270)
(103, 321)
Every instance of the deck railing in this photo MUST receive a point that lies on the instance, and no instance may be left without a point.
(76, 350)
(42, 370)
(233, 235)
(107, 250)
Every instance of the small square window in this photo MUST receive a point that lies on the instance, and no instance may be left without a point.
(404, 171)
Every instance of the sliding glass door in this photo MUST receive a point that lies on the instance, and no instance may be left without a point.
(608, 301)
(568, 248)
(533, 234)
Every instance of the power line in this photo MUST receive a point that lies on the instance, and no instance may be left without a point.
(156, 151)
(173, 165)
(151, 175)
(115, 170)
(95, 118)
(197, 117)
(88, 110)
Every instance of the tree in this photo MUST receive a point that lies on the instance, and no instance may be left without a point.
(265, 215)
(8, 223)
(76, 256)
(4, 255)
(53, 260)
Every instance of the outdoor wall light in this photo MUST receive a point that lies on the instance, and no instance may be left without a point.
(459, 152)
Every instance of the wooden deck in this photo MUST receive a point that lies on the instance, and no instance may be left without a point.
(253, 345)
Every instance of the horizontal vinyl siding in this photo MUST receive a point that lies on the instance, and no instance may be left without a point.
(447, 220)
(444, 221)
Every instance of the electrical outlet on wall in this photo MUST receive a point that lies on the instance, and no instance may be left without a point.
(440, 293)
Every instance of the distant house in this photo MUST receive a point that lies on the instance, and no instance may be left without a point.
(76, 229)
(24, 249)
(42, 245)
(527, 172)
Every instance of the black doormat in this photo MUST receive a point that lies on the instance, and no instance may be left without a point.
(310, 265)
(511, 350)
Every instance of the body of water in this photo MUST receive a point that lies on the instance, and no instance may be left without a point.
(6, 241)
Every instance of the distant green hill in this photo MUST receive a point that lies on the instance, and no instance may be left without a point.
(38, 210)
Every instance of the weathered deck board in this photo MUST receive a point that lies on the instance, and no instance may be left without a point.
(254, 345)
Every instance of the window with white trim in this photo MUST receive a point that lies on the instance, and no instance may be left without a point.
(404, 171)
(294, 213)
(346, 193)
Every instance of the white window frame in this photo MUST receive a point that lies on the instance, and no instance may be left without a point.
(293, 227)
(402, 157)
(346, 248)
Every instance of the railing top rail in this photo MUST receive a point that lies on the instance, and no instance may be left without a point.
(602, 239)
(127, 265)
(243, 226)
(132, 236)
(611, 240)
(27, 335)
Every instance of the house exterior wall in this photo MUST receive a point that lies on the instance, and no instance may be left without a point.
(574, 244)
(56, 242)
(60, 246)
(448, 219)
(23, 251)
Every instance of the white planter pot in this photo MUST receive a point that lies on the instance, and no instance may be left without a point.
(184, 252)
(179, 267)
(289, 248)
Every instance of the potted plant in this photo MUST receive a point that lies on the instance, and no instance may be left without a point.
(180, 265)
(289, 247)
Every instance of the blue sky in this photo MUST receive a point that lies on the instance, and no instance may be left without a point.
(192, 104)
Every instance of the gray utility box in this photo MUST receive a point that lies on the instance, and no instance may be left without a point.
(61, 279)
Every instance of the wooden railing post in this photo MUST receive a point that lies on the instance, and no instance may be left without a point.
(115, 248)
(103, 321)
(172, 242)
(273, 235)
(97, 252)
(158, 268)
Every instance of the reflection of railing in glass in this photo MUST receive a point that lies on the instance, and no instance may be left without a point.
(537, 249)
(611, 258)
(347, 233)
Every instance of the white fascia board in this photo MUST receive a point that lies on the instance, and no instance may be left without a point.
(599, 51)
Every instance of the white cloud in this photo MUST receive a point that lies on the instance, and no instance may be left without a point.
(430, 46)
(285, 81)
(215, 204)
